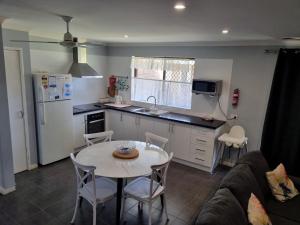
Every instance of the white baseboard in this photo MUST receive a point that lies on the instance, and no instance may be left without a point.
(5, 191)
(32, 166)
(194, 165)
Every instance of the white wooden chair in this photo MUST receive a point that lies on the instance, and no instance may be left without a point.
(94, 190)
(156, 140)
(91, 139)
(146, 190)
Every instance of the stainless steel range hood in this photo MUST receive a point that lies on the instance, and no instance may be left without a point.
(82, 69)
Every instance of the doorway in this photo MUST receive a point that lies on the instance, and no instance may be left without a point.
(17, 104)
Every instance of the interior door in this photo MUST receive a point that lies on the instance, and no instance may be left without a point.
(16, 112)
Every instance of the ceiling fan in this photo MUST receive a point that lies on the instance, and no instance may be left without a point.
(69, 41)
(291, 38)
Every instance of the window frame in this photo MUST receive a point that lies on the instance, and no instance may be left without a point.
(134, 72)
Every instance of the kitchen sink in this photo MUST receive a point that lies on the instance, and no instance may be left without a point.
(153, 112)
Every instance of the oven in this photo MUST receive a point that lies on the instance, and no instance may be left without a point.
(95, 123)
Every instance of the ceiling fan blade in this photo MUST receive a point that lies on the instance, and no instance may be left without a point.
(43, 42)
(291, 38)
(87, 44)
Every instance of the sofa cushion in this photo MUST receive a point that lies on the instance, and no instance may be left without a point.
(259, 166)
(257, 214)
(222, 209)
(282, 187)
(241, 182)
(289, 209)
(278, 220)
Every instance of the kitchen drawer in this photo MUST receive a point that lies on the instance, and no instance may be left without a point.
(205, 152)
(201, 160)
(204, 133)
(201, 155)
(202, 141)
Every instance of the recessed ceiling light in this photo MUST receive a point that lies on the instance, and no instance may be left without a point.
(126, 36)
(225, 31)
(179, 6)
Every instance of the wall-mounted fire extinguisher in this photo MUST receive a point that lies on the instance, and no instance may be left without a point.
(235, 97)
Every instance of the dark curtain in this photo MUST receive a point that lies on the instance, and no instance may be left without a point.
(281, 133)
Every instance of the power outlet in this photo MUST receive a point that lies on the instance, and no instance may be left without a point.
(233, 116)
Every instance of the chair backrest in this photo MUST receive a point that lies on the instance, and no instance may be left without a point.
(83, 173)
(237, 132)
(156, 140)
(91, 139)
(159, 173)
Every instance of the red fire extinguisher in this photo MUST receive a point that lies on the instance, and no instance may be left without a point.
(235, 97)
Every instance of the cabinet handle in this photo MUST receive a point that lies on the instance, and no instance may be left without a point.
(201, 140)
(121, 117)
(95, 121)
(201, 150)
(172, 128)
(200, 159)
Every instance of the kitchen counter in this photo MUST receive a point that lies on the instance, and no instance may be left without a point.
(170, 116)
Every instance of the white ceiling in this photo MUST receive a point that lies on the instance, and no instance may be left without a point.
(155, 20)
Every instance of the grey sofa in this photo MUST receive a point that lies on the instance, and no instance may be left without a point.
(229, 204)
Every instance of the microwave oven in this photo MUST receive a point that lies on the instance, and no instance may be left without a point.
(207, 87)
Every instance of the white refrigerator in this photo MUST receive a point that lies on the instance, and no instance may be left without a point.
(54, 116)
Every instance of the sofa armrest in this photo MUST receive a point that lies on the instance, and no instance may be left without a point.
(296, 181)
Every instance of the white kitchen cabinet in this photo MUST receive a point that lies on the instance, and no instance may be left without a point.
(163, 129)
(129, 124)
(78, 130)
(144, 124)
(192, 145)
(115, 124)
(180, 141)
(123, 124)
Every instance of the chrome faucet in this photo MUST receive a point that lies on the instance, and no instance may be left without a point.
(151, 96)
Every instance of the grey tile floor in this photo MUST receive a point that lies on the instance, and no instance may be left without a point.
(46, 196)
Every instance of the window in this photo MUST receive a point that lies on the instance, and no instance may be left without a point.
(168, 79)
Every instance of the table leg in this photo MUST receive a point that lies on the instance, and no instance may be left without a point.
(119, 200)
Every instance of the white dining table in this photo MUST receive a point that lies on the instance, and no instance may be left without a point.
(100, 156)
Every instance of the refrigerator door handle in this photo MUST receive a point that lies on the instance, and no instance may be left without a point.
(43, 114)
(42, 93)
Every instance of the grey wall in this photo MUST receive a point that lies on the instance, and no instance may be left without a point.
(57, 59)
(6, 161)
(20, 35)
(252, 72)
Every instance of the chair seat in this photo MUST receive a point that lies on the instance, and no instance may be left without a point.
(105, 189)
(140, 188)
(237, 142)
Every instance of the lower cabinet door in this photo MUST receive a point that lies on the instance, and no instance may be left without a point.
(144, 125)
(130, 130)
(180, 141)
(163, 129)
(115, 124)
(78, 131)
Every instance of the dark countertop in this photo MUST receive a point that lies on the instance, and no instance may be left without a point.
(170, 116)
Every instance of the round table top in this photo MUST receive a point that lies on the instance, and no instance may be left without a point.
(100, 156)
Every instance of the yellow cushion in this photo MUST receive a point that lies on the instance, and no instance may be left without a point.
(256, 213)
(281, 185)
